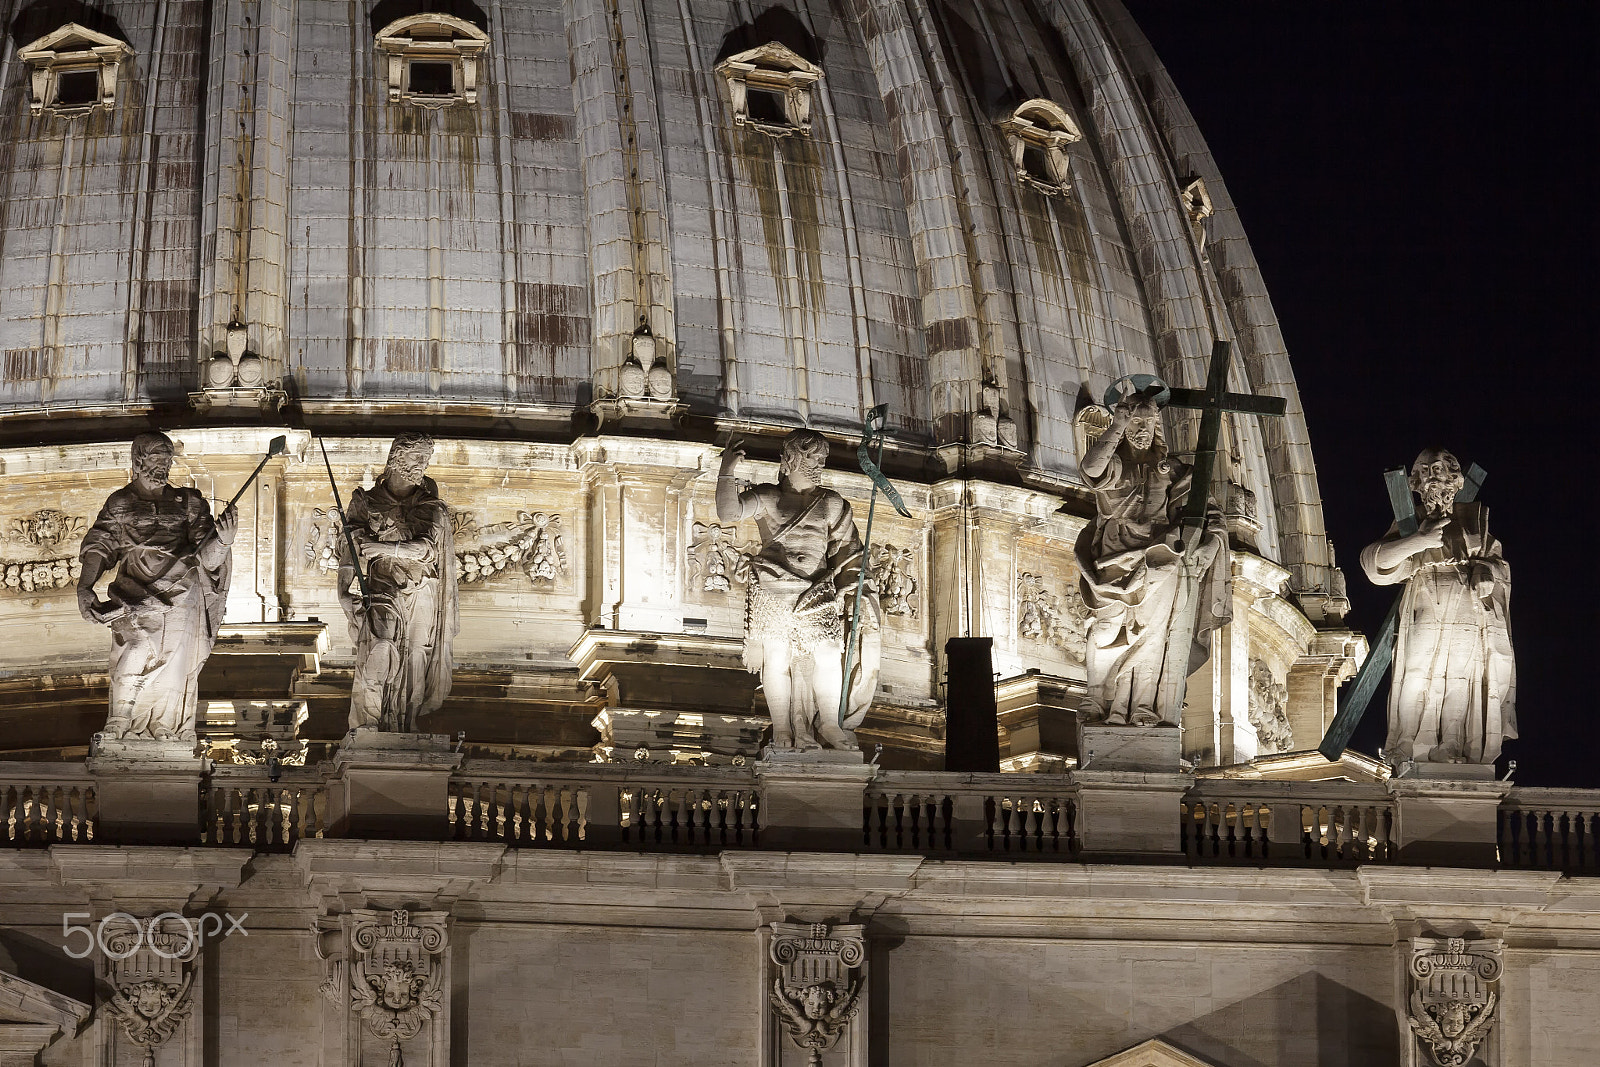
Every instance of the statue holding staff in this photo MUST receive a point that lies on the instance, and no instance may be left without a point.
(166, 603)
(801, 590)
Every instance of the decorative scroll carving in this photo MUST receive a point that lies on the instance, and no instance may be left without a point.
(1454, 992)
(1269, 700)
(818, 986)
(715, 560)
(150, 983)
(534, 542)
(47, 528)
(1043, 616)
(397, 972)
(893, 576)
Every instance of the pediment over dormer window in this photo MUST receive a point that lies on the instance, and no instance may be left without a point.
(73, 69)
(1038, 133)
(432, 60)
(770, 88)
(1153, 1053)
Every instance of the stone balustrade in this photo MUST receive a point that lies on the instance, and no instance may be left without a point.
(46, 803)
(655, 807)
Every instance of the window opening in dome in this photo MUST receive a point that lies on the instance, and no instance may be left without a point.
(1038, 133)
(73, 69)
(432, 60)
(78, 88)
(431, 78)
(770, 89)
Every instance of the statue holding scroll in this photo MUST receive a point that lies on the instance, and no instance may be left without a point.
(166, 603)
(1155, 598)
(1452, 698)
(801, 584)
(405, 616)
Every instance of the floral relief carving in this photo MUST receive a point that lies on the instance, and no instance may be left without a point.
(715, 560)
(818, 987)
(1454, 992)
(533, 543)
(893, 575)
(47, 528)
(321, 548)
(151, 981)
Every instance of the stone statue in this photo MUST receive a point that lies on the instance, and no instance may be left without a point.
(166, 602)
(402, 533)
(1139, 578)
(800, 595)
(1452, 698)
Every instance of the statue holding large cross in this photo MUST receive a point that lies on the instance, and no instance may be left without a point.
(1154, 566)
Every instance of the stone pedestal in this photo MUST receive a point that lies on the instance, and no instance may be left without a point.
(1038, 722)
(393, 785)
(812, 800)
(1446, 813)
(1129, 748)
(1130, 812)
(146, 792)
(675, 736)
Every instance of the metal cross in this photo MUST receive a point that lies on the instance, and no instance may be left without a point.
(1354, 700)
(1212, 401)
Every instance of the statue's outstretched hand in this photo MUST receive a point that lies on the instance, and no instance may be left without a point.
(88, 603)
(732, 453)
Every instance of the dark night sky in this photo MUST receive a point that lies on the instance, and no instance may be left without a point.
(1419, 182)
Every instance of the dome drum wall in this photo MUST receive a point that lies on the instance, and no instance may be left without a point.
(494, 266)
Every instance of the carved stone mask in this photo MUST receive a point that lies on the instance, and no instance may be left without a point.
(150, 999)
(397, 987)
(1453, 1017)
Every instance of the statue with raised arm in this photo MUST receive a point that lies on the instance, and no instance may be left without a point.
(1142, 581)
(1452, 698)
(403, 626)
(166, 603)
(796, 606)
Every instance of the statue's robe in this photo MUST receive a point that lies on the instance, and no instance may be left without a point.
(1455, 682)
(403, 638)
(806, 561)
(172, 580)
(1138, 585)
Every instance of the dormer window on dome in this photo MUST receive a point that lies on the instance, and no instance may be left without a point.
(432, 60)
(1038, 133)
(73, 69)
(770, 88)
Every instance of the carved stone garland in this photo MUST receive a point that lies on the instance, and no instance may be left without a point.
(1454, 993)
(715, 560)
(893, 575)
(1269, 701)
(818, 986)
(397, 972)
(1042, 616)
(533, 542)
(44, 530)
(151, 984)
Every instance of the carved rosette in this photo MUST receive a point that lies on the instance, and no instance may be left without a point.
(396, 972)
(1454, 992)
(45, 530)
(818, 984)
(151, 984)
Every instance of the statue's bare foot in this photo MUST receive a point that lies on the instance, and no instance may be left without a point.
(117, 728)
(162, 734)
(1145, 717)
(1116, 718)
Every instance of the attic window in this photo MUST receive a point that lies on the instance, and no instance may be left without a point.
(770, 88)
(73, 69)
(432, 60)
(1038, 133)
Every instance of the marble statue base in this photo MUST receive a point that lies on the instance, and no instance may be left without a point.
(1129, 748)
(146, 791)
(812, 799)
(1448, 822)
(393, 785)
(1446, 772)
(1122, 813)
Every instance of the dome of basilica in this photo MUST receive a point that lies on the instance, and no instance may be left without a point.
(586, 246)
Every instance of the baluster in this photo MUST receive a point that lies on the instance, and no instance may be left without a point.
(9, 796)
(990, 814)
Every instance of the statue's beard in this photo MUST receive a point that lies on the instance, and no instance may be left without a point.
(1436, 499)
